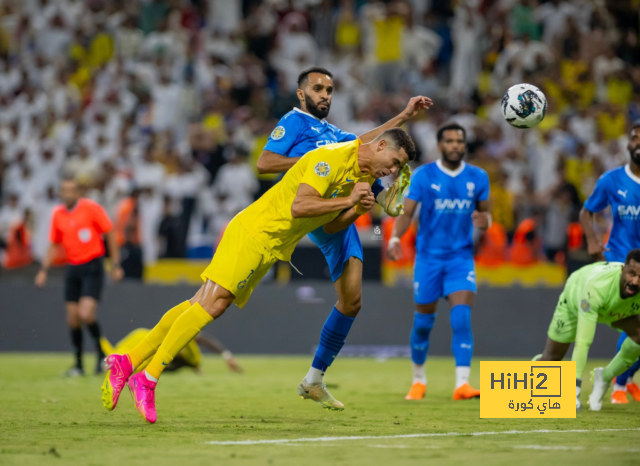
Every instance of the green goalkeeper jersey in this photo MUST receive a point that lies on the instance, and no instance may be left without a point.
(594, 290)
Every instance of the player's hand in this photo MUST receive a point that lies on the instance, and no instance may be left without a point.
(394, 251)
(360, 191)
(415, 105)
(41, 278)
(233, 365)
(365, 204)
(481, 220)
(117, 273)
(596, 250)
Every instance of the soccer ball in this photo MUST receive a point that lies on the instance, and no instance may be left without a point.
(524, 106)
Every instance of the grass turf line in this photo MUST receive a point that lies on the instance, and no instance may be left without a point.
(45, 419)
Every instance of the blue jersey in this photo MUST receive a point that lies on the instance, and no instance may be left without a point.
(299, 132)
(620, 189)
(448, 199)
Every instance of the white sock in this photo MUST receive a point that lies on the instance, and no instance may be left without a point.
(462, 375)
(617, 387)
(419, 374)
(314, 376)
(150, 377)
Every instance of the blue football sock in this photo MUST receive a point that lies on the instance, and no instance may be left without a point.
(462, 341)
(623, 378)
(335, 331)
(422, 325)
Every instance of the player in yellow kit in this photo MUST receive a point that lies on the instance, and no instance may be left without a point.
(329, 187)
(190, 356)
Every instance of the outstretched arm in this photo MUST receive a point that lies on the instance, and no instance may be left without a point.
(271, 162)
(413, 107)
(216, 346)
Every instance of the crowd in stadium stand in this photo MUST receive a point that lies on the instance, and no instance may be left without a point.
(160, 108)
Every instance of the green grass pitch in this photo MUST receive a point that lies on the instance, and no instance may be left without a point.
(46, 419)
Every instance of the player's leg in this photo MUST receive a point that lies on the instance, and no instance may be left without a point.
(71, 297)
(343, 252)
(459, 285)
(623, 360)
(91, 290)
(75, 328)
(427, 289)
(211, 301)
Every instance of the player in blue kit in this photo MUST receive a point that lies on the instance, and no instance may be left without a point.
(454, 198)
(298, 132)
(619, 188)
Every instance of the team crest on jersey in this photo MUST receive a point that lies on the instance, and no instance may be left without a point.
(322, 169)
(277, 133)
(470, 188)
(585, 306)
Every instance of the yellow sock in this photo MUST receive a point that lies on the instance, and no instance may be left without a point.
(148, 346)
(185, 328)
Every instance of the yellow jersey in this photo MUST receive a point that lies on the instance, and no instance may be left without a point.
(332, 170)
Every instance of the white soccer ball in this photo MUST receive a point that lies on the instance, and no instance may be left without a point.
(524, 106)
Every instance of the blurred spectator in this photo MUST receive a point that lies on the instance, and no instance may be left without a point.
(152, 104)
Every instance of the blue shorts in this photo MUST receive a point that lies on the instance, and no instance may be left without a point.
(338, 248)
(435, 277)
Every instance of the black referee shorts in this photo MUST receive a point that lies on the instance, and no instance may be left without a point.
(84, 280)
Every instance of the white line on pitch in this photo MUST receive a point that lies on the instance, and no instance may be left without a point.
(546, 447)
(373, 437)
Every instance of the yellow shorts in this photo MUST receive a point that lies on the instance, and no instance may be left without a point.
(240, 262)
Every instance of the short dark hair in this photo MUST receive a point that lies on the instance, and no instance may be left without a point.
(634, 125)
(448, 127)
(401, 140)
(304, 76)
(634, 255)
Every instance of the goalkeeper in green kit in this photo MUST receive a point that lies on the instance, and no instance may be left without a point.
(606, 293)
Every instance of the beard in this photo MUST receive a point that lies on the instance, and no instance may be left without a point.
(452, 160)
(313, 109)
(635, 155)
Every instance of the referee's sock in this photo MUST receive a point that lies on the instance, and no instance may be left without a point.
(76, 341)
(94, 331)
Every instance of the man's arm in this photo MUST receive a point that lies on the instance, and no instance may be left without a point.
(114, 253)
(216, 346)
(309, 203)
(400, 227)
(41, 276)
(271, 162)
(586, 331)
(347, 217)
(413, 107)
(594, 246)
(481, 217)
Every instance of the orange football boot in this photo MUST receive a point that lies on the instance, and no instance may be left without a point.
(417, 391)
(634, 391)
(465, 392)
(619, 397)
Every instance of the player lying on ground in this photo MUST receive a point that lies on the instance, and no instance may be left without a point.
(618, 188)
(298, 132)
(325, 187)
(454, 198)
(190, 356)
(606, 293)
